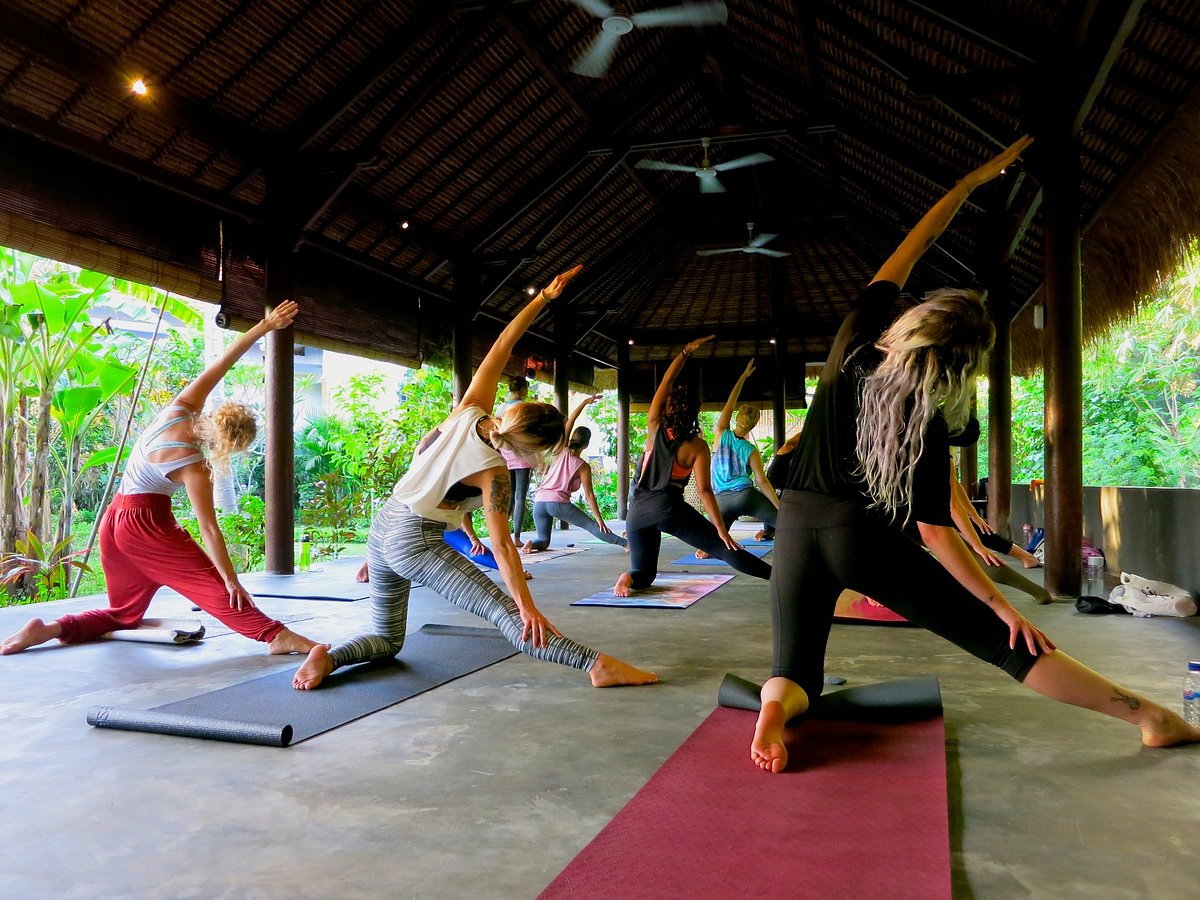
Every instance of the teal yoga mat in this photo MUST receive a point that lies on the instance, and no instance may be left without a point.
(759, 550)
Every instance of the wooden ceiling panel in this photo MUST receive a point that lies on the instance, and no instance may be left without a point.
(466, 120)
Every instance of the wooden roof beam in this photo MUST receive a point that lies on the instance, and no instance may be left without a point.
(610, 131)
(73, 59)
(909, 71)
(982, 26)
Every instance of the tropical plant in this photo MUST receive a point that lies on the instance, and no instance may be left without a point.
(47, 567)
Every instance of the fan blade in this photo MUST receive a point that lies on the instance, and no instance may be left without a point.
(702, 14)
(717, 252)
(752, 160)
(662, 166)
(597, 8)
(765, 252)
(711, 186)
(762, 239)
(594, 63)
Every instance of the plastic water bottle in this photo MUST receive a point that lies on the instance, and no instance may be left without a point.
(1191, 693)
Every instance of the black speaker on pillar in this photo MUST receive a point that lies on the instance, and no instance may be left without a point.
(222, 318)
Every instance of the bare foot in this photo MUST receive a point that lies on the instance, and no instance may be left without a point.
(1166, 729)
(621, 588)
(609, 672)
(316, 669)
(287, 641)
(700, 554)
(527, 547)
(767, 751)
(35, 632)
(528, 575)
(362, 575)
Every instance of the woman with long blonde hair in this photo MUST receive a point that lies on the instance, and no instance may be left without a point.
(143, 548)
(458, 466)
(873, 456)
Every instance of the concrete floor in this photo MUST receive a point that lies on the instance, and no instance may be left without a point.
(487, 787)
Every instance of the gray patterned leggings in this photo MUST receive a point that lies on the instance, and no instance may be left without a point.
(403, 548)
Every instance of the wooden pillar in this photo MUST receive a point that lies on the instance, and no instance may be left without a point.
(1063, 362)
(466, 303)
(279, 477)
(564, 345)
(968, 461)
(623, 375)
(779, 405)
(1000, 410)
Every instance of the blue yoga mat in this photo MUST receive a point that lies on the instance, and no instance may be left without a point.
(690, 559)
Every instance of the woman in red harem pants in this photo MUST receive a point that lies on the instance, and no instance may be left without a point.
(143, 548)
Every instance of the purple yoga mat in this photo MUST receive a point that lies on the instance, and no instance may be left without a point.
(860, 812)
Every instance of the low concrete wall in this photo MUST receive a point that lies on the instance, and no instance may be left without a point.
(1153, 532)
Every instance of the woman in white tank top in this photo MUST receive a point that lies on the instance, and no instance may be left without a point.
(143, 548)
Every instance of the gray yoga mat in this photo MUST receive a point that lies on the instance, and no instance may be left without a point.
(903, 700)
(270, 711)
(335, 584)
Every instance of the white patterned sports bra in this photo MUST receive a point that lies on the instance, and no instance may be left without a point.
(145, 477)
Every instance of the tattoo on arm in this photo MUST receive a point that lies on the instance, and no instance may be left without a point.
(500, 494)
(1130, 701)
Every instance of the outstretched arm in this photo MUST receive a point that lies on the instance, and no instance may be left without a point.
(197, 480)
(727, 411)
(900, 265)
(196, 394)
(570, 426)
(585, 479)
(708, 499)
(760, 475)
(659, 403)
(482, 390)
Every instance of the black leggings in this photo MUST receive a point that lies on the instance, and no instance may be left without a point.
(746, 502)
(824, 545)
(650, 514)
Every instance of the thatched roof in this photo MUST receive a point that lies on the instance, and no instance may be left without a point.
(320, 128)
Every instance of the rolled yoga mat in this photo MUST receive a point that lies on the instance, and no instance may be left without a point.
(270, 711)
(903, 700)
(861, 811)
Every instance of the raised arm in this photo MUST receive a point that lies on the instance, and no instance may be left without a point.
(570, 426)
(730, 404)
(196, 394)
(900, 265)
(482, 390)
(668, 381)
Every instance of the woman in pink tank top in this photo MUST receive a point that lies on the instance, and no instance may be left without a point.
(567, 474)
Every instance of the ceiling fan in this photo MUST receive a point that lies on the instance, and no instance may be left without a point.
(753, 245)
(706, 171)
(595, 60)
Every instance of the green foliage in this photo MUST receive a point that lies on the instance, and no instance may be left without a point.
(607, 492)
(331, 513)
(48, 567)
(246, 530)
(1141, 403)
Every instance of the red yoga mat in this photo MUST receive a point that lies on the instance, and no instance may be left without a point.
(860, 812)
